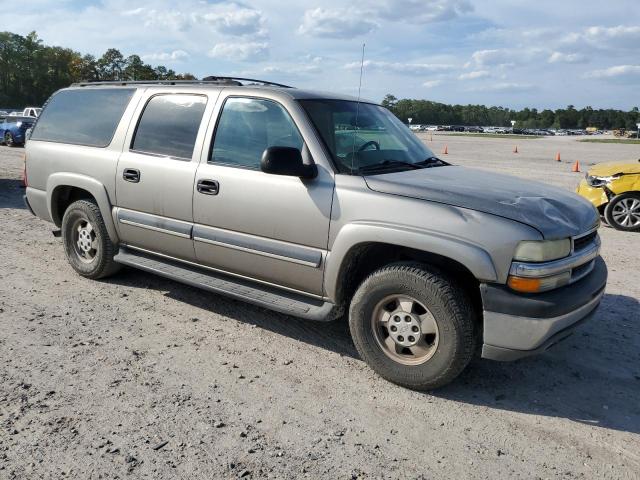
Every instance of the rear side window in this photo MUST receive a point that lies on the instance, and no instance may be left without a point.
(83, 116)
(169, 125)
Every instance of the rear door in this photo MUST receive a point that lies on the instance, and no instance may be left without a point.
(267, 227)
(155, 174)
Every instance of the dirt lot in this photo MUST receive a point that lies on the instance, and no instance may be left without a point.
(141, 377)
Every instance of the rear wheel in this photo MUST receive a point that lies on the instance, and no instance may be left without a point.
(86, 242)
(623, 212)
(413, 325)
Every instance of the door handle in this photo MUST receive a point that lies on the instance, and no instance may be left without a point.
(208, 187)
(131, 175)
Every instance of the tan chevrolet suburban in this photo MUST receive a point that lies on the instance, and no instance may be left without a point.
(319, 206)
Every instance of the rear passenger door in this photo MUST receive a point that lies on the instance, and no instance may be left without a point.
(155, 174)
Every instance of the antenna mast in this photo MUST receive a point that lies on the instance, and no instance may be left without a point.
(355, 131)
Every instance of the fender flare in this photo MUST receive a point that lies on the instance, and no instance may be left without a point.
(91, 185)
(474, 258)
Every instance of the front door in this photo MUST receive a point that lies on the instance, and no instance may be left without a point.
(267, 227)
(155, 175)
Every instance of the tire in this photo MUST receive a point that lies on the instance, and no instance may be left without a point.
(8, 139)
(86, 242)
(623, 212)
(439, 303)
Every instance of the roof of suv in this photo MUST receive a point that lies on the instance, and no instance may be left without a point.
(225, 82)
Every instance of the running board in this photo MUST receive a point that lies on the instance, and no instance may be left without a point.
(262, 295)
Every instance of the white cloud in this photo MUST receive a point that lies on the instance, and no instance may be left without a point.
(235, 20)
(172, 19)
(335, 23)
(619, 33)
(618, 71)
(397, 67)
(240, 51)
(227, 19)
(422, 11)
(475, 75)
(506, 87)
(493, 57)
(292, 70)
(432, 83)
(173, 56)
(559, 57)
(502, 57)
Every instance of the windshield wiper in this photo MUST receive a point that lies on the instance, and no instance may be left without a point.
(432, 162)
(390, 164)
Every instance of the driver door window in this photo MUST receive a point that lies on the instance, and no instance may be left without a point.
(247, 127)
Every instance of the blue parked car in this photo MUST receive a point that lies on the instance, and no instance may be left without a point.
(13, 130)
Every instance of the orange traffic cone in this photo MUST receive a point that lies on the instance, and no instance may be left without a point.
(558, 157)
(445, 151)
(576, 167)
(515, 149)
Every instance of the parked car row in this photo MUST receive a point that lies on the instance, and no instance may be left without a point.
(503, 130)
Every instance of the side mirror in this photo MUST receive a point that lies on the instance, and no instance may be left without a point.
(286, 161)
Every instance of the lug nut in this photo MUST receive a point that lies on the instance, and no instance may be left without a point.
(414, 329)
(393, 328)
(400, 338)
(396, 318)
(411, 339)
(407, 318)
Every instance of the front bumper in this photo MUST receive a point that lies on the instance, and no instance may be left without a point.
(596, 195)
(518, 325)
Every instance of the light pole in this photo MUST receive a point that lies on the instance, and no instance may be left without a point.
(638, 131)
(410, 119)
(513, 122)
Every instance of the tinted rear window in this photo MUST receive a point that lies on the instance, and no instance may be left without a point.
(83, 116)
(169, 125)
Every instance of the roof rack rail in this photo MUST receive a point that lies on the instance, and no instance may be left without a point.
(211, 80)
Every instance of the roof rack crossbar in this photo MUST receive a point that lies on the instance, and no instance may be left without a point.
(209, 81)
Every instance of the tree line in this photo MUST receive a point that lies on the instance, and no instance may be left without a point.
(426, 112)
(31, 71)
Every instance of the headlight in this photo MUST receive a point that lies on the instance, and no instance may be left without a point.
(542, 250)
(18, 124)
(594, 181)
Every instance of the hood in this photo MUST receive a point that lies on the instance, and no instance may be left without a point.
(554, 212)
(609, 169)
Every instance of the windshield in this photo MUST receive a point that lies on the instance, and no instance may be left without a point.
(365, 138)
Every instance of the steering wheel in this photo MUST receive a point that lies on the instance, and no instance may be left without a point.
(368, 144)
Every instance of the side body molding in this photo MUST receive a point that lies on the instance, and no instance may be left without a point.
(91, 185)
(474, 258)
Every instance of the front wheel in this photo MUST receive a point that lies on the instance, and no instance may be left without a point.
(86, 242)
(413, 325)
(623, 212)
(8, 139)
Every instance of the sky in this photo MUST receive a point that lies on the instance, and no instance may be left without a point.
(511, 53)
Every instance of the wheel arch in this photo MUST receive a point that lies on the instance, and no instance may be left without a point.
(65, 188)
(352, 258)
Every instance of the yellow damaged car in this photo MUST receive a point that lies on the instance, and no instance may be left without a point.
(614, 189)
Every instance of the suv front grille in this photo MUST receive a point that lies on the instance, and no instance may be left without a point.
(581, 243)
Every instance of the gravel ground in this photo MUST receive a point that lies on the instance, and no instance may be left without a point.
(141, 377)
